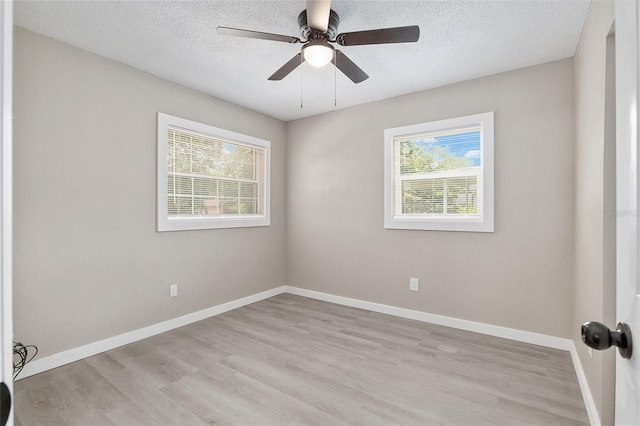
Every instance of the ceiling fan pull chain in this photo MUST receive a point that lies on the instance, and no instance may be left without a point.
(335, 80)
(301, 61)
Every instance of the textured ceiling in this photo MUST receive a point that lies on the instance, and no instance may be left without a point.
(459, 40)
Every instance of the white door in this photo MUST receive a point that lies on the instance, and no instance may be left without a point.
(627, 206)
(6, 322)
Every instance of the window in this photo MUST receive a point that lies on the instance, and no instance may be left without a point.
(209, 177)
(439, 175)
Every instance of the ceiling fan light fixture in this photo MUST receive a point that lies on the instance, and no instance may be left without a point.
(318, 54)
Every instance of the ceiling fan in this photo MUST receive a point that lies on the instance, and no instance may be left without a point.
(318, 27)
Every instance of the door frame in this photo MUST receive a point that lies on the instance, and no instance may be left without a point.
(6, 196)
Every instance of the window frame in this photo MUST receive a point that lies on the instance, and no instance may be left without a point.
(432, 222)
(164, 223)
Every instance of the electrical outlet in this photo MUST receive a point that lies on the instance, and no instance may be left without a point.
(590, 350)
(413, 284)
(173, 290)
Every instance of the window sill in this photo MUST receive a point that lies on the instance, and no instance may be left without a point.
(188, 224)
(442, 224)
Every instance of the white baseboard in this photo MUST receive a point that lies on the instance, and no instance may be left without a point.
(76, 354)
(477, 327)
(592, 411)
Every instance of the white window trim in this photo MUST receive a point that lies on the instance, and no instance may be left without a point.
(165, 121)
(486, 223)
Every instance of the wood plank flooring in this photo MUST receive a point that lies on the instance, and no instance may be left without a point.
(294, 360)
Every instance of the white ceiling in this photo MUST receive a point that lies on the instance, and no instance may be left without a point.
(177, 40)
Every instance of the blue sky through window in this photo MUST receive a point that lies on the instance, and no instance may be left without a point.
(465, 145)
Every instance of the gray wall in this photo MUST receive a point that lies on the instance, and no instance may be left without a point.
(594, 295)
(521, 276)
(88, 261)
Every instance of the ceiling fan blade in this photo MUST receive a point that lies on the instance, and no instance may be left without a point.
(286, 69)
(381, 36)
(348, 68)
(318, 14)
(236, 32)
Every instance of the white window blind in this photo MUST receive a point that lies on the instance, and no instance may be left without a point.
(439, 175)
(210, 177)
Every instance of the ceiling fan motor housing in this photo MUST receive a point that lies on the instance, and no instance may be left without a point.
(309, 33)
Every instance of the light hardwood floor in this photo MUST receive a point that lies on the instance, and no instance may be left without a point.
(294, 360)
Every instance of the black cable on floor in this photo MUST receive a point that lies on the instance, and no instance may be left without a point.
(24, 354)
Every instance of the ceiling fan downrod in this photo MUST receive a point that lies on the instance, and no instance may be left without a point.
(309, 33)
